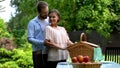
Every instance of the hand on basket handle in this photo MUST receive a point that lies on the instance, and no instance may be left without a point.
(83, 36)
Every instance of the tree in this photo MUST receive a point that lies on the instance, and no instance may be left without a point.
(3, 30)
(1, 7)
(102, 16)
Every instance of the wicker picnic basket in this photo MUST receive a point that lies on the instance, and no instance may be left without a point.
(82, 48)
(86, 65)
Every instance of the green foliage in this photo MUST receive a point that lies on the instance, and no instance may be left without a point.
(3, 29)
(18, 58)
(18, 34)
(10, 64)
(24, 13)
(18, 24)
(22, 58)
(4, 53)
(82, 15)
(95, 15)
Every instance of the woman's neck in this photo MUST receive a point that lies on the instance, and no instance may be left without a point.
(55, 26)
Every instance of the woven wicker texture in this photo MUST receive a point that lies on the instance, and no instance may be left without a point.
(86, 65)
(82, 48)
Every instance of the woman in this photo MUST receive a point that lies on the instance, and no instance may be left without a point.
(58, 40)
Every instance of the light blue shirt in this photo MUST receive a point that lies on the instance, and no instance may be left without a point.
(36, 29)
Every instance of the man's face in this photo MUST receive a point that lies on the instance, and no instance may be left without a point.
(44, 13)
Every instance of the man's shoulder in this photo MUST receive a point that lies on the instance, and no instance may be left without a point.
(32, 21)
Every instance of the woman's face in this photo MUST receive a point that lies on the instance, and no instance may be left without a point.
(53, 18)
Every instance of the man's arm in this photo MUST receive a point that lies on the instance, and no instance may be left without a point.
(30, 37)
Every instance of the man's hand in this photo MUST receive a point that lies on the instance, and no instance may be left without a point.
(52, 44)
(48, 43)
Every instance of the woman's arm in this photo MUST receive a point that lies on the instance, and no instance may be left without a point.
(52, 44)
(69, 43)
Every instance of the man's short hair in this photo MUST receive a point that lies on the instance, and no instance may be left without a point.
(40, 5)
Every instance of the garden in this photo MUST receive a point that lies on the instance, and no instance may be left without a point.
(102, 16)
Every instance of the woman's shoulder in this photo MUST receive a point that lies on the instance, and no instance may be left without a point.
(61, 27)
(48, 27)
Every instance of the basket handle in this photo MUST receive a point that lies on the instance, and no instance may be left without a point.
(83, 36)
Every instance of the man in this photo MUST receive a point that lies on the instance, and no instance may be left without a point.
(36, 35)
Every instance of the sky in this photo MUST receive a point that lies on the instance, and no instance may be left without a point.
(6, 15)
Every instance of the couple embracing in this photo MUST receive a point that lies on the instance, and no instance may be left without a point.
(49, 41)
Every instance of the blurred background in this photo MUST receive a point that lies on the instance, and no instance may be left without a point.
(99, 19)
